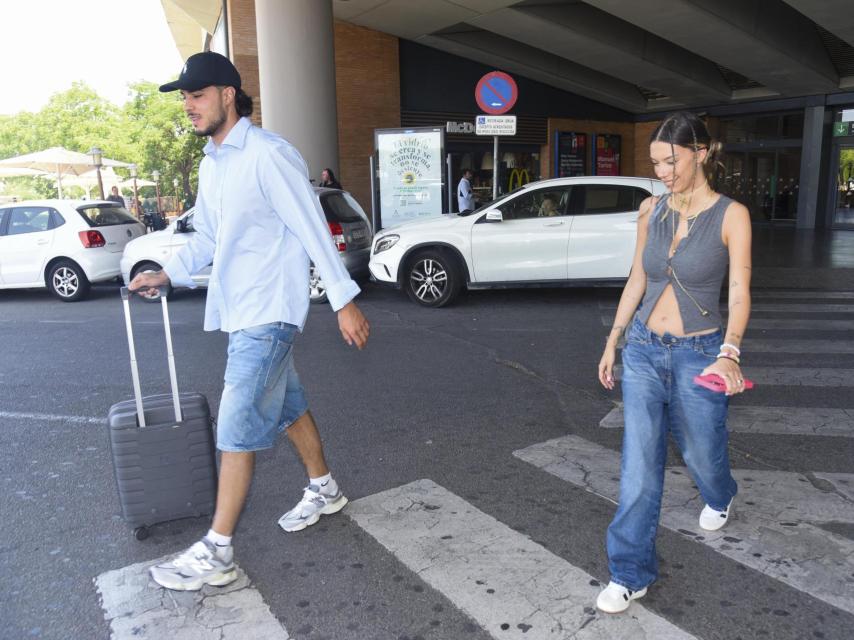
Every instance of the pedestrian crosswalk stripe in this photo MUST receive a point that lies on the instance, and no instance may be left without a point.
(776, 526)
(811, 324)
(815, 421)
(784, 345)
(801, 294)
(513, 587)
(136, 607)
(774, 307)
(789, 376)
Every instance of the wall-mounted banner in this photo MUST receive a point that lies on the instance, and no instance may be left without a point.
(606, 154)
(411, 173)
(570, 154)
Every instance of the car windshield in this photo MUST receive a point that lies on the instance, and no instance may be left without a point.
(491, 203)
(105, 215)
(338, 209)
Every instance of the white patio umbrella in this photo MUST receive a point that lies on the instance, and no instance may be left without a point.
(60, 161)
(13, 172)
(89, 179)
(140, 182)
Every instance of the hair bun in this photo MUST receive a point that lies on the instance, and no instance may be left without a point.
(716, 149)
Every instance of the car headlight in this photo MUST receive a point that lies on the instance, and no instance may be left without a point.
(386, 242)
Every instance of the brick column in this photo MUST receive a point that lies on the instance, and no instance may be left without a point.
(243, 48)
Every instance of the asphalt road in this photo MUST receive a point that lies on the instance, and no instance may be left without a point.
(446, 395)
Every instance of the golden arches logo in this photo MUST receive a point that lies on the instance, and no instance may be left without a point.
(520, 177)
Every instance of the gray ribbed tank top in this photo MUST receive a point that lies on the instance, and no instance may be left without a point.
(699, 263)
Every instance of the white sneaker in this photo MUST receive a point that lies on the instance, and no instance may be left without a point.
(199, 565)
(311, 507)
(615, 598)
(712, 519)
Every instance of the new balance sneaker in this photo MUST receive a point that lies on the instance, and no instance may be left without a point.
(199, 565)
(712, 519)
(311, 507)
(615, 598)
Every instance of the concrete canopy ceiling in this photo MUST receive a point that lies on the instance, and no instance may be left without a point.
(637, 55)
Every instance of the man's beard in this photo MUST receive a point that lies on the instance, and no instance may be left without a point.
(213, 127)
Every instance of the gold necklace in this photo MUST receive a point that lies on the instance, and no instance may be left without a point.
(690, 221)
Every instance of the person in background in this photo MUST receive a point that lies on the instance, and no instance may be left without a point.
(327, 179)
(465, 195)
(548, 209)
(116, 197)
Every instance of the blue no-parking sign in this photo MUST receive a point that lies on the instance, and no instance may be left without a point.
(496, 93)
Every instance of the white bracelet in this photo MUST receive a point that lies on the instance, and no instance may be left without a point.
(731, 346)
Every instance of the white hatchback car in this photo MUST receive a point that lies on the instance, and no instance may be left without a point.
(558, 232)
(63, 245)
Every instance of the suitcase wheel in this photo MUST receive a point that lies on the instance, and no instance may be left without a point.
(141, 533)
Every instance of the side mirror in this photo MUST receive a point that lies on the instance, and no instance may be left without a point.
(494, 216)
(181, 226)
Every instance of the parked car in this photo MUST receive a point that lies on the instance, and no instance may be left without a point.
(348, 224)
(558, 232)
(64, 245)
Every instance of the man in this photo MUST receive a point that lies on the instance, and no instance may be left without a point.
(258, 221)
(465, 196)
(115, 197)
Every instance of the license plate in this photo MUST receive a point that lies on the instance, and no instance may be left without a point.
(358, 234)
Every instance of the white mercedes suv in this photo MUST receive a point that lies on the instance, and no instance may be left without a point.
(558, 232)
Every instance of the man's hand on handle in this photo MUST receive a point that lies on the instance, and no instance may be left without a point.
(353, 325)
(145, 284)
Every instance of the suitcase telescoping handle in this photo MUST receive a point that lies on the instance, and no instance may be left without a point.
(134, 370)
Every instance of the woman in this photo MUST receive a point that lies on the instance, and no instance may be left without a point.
(670, 306)
(327, 179)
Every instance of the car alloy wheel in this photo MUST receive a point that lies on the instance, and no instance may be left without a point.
(432, 279)
(67, 281)
(316, 288)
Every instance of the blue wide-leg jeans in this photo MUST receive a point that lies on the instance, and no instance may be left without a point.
(659, 395)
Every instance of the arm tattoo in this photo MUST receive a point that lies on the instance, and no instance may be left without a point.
(733, 285)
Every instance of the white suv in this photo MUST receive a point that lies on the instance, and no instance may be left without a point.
(63, 245)
(564, 231)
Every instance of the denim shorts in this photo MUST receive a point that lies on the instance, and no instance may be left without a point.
(262, 394)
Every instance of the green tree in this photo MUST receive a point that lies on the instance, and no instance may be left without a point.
(162, 136)
(151, 131)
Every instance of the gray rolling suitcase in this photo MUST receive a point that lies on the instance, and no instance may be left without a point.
(163, 448)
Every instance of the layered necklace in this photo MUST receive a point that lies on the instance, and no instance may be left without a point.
(685, 201)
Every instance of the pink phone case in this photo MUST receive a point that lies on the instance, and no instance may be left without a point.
(714, 382)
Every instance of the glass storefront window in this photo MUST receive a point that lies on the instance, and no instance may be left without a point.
(766, 182)
(743, 129)
(844, 210)
(515, 168)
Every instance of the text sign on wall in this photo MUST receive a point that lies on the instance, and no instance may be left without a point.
(606, 153)
(495, 125)
(496, 93)
(570, 154)
(410, 170)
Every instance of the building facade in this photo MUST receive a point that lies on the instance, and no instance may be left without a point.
(594, 80)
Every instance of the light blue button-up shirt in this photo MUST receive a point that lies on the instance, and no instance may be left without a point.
(260, 223)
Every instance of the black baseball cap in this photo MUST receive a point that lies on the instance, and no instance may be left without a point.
(203, 70)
